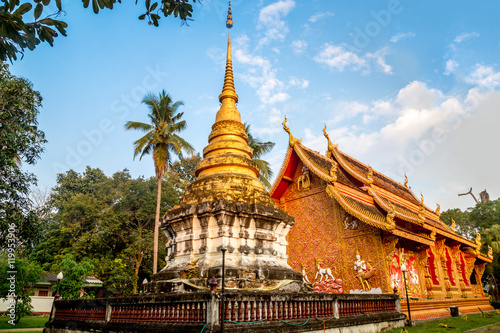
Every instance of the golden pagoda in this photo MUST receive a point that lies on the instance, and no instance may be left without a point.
(227, 206)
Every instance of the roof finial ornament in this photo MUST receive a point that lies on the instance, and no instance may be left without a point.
(369, 176)
(291, 141)
(331, 146)
(390, 215)
(406, 180)
(438, 210)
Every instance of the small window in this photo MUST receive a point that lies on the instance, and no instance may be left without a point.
(43, 293)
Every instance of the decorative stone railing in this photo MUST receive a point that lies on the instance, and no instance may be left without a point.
(194, 312)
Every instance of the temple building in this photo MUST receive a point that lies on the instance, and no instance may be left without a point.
(355, 228)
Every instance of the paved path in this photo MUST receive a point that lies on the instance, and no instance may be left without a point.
(33, 329)
(486, 329)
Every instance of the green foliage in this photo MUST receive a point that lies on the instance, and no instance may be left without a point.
(18, 286)
(20, 142)
(74, 274)
(18, 32)
(109, 220)
(260, 148)
(161, 139)
(182, 172)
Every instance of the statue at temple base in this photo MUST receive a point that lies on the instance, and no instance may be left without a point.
(322, 272)
(364, 272)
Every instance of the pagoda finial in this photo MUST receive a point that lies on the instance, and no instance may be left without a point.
(228, 97)
(229, 21)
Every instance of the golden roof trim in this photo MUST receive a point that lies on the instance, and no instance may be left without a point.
(365, 217)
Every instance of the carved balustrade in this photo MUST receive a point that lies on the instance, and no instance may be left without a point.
(200, 309)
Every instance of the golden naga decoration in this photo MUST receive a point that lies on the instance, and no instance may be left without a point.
(364, 271)
(490, 252)
(331, 146)
(291, 141)
(433, 234)
(453, 225)
(390, 214)
(438, 210)
(421, 211)
(478, 239)
(369, 176)
(406, 180)
(333, 172)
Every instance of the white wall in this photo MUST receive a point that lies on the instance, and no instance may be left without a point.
(39, 304)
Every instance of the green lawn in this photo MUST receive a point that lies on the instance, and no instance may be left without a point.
(458, 323)
(25, 322)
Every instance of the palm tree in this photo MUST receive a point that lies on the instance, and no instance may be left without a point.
(260, 148)
(160, 140)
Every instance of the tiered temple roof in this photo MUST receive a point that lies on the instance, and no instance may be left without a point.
(369, 195)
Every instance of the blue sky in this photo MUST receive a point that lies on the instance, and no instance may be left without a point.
(405, 86)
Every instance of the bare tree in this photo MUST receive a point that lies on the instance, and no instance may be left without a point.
(470, 192)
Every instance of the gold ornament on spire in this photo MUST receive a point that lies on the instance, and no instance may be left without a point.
(229, 21)
(291, 141)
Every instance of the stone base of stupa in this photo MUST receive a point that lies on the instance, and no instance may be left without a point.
(254, 236)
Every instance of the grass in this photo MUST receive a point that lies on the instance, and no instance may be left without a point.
(25, 322)
(458, 324)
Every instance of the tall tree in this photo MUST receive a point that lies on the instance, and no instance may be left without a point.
(161, 140)
(18, 33)
(20, 142)
(260, 148)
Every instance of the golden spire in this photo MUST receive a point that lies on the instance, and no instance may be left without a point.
(228, 97)
(227, 170)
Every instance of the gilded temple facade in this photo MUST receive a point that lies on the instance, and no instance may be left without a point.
(362, 226)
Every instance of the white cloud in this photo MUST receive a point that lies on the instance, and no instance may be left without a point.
(296, 82)
(270, 19)
(484, 76)
(465, 36)
(299, 46)
(319, 16)
(451, 66)
(338, 58)
(379, 59)
(401, 36)
(416, 95)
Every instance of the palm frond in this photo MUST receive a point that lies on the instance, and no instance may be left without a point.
(137, 125)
